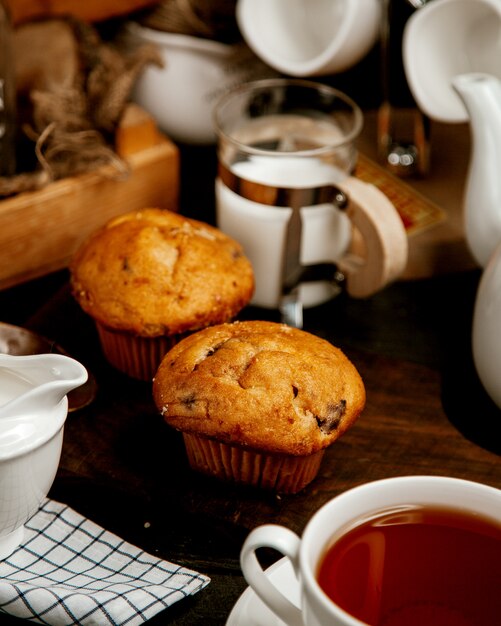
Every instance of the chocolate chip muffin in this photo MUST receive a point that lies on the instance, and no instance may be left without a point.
(148, 278)
(258, 402)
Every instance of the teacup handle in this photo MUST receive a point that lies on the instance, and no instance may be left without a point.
(384, 252)
(286, 542)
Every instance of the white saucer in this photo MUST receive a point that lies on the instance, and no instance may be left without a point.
(251, 611)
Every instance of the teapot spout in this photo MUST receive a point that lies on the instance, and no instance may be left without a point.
(481, 96)
(48, 379)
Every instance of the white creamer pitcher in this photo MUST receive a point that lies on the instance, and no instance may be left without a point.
(33, 410)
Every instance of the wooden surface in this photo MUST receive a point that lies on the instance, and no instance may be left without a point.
(124, 468)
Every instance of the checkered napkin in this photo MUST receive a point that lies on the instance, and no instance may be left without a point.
(70, 571)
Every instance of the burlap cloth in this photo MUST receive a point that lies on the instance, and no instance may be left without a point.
(72, 127)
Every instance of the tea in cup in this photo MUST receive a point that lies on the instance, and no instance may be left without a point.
(285, 191)
(402, 551)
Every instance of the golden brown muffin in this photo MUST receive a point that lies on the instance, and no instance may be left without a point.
(149, 277)
(258, 402)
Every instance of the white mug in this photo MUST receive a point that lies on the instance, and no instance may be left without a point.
(305, 38)
(285, 191)
(401, 494)
(444, 39)
(195, 73)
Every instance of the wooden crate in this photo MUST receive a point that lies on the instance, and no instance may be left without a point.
(39, 231)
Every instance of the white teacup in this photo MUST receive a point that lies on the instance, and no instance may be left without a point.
(305, 38)
(446, 38)
(285, 191)
(401, 499)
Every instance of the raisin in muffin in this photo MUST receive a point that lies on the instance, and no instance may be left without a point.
(147, 278)
(258, 402)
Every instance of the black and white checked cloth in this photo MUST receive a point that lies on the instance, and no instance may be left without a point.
(70, 571)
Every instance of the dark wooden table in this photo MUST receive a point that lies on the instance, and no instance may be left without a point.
(125, 469)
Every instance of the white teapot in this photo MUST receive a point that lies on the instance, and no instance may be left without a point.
(481, 94)
(451, 54)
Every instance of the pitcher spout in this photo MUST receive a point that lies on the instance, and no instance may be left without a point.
(481, 96)
(44, 379)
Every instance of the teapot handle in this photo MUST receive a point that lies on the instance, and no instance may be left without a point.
(379, 250)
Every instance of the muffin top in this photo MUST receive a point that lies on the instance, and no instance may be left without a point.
(261, 385)
(154, 272)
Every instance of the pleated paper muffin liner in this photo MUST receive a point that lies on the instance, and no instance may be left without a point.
(278, 472)
(138, 357)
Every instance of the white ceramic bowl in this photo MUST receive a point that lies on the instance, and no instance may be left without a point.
(181, 95)
(445, 38)
(30, 441)
(307, 38)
